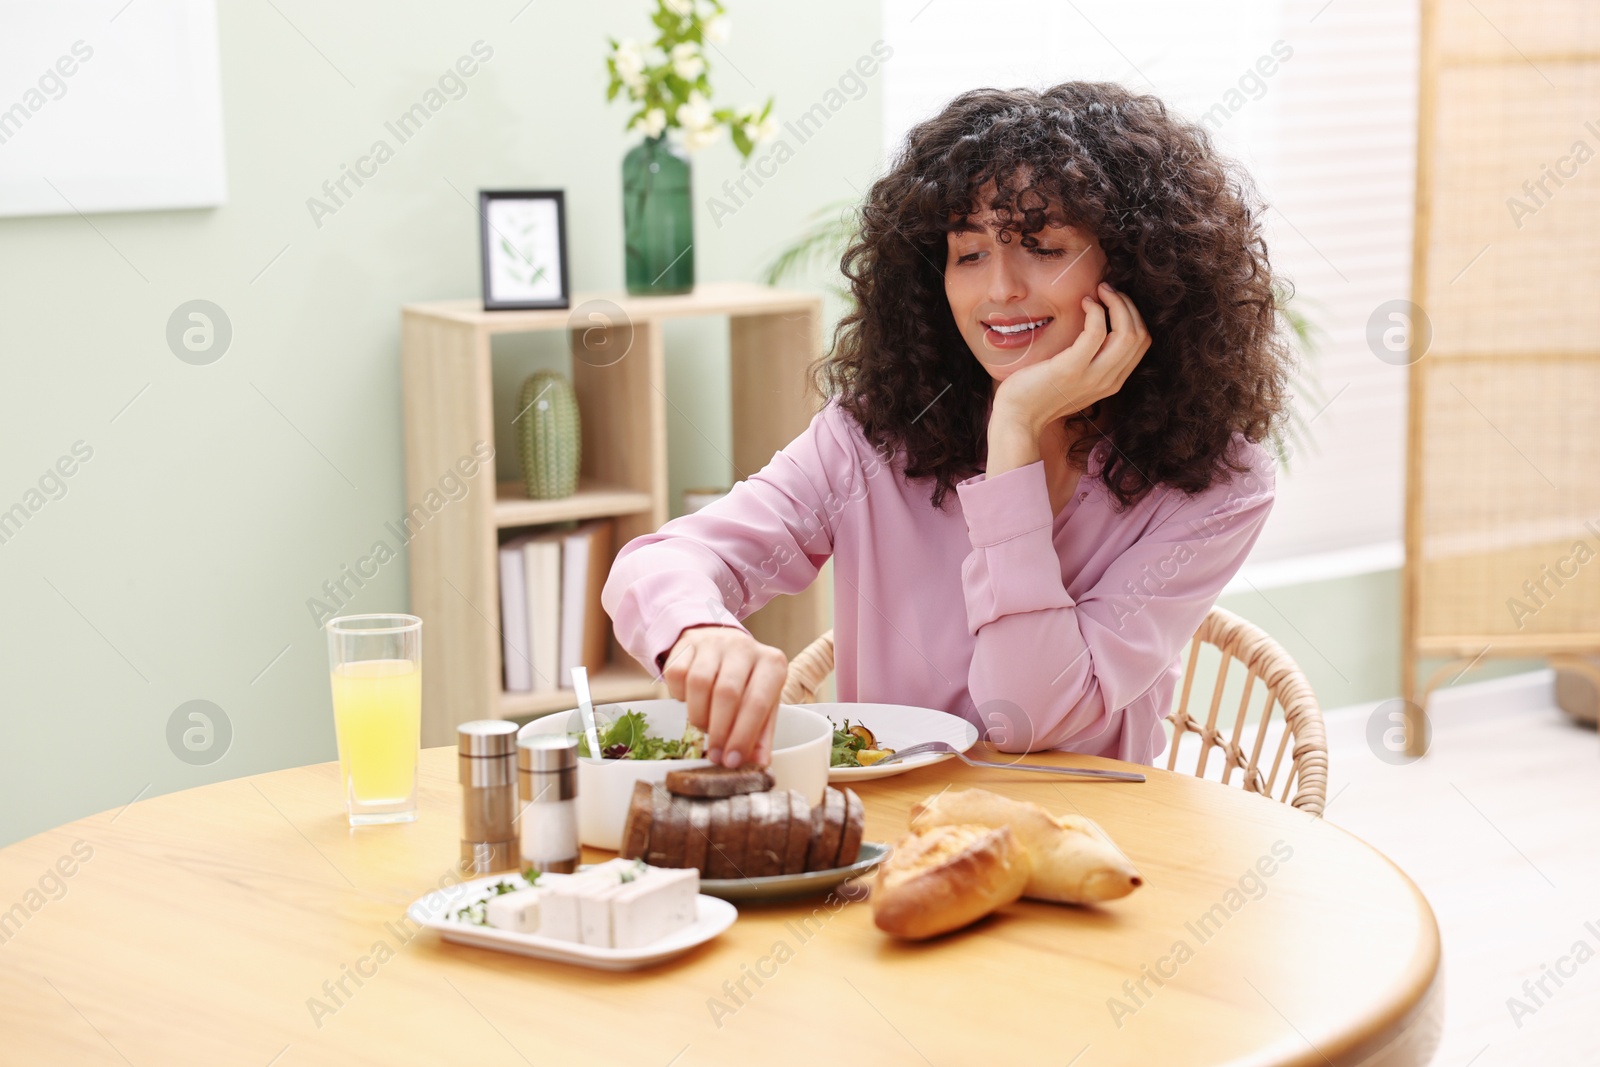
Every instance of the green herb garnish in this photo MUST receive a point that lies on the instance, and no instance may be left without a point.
(478, 911)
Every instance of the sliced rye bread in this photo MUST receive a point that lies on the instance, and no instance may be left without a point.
(636, 830)
(718, 781)
(825, 842)
(855, 825)
(697, 844)
(660, 817)
(777, 835)
(799, 843)
(733, 847)
(717, 864)
(756, 864)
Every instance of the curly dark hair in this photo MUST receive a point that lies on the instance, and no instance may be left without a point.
(1181, 230)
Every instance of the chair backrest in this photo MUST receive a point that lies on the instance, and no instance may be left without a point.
(1263, 660)
(808, 670)
(1239, 642)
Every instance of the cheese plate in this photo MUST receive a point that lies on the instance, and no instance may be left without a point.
(440, 910)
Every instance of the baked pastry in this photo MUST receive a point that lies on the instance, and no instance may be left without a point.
(1072, 859)
(944, 877)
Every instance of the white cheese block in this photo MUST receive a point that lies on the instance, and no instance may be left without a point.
(560, 908)
(649, 908)
(517, 911)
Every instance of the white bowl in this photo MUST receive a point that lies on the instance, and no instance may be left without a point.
(802, 744)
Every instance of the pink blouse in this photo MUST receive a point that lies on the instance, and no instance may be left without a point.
(1042, 631)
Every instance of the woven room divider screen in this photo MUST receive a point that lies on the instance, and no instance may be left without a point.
(1503, 465)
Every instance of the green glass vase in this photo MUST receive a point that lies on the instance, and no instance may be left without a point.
(657, 218)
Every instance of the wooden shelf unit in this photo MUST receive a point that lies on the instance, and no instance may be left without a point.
(448, 408)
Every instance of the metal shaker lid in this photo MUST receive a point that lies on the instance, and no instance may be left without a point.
(547, 752)
(487, 737)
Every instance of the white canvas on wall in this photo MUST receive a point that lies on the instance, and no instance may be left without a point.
(109, 106)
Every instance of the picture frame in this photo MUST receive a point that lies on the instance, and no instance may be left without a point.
(522, 238)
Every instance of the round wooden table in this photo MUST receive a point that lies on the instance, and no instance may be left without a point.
(245, 923)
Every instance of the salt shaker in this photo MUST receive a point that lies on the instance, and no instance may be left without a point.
(547, 775)
(486, 755)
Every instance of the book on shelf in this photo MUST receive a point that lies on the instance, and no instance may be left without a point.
(585, 562)
(551, 616)
(514, 618)
(541, 562)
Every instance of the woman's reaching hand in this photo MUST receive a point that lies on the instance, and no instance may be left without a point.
(731, 683)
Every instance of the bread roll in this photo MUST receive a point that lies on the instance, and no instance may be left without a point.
(1073, 861)
(940, 879)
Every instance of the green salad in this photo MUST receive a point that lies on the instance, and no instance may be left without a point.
(629, 737)
(854, 746)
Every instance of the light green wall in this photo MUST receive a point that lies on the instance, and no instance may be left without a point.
(178, 565)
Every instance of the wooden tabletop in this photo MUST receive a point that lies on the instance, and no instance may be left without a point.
(209, 927)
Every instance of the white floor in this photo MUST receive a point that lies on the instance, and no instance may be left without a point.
(1499, 824)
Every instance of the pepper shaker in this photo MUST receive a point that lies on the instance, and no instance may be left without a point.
(547, 776)
(486, 754)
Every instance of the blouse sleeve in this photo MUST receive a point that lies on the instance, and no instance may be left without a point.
(771, 534)
(1049, 670)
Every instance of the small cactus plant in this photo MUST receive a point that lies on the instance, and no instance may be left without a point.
(549, 435)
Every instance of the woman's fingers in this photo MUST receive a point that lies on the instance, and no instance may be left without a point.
(757, 709)
(733, 674)
(1094, 329)
(675, 671)
(697, 683)
(1120, 311)
(763, 756)
(1128, 339)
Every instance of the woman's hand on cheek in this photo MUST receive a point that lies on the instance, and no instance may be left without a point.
(1093, 367)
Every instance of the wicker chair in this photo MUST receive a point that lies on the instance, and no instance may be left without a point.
(1236, 640)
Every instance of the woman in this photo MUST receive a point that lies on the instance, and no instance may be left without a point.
(1064, 312)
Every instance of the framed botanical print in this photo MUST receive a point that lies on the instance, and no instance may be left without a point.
(523, 234)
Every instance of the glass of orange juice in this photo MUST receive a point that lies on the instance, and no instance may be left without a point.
(376, 663)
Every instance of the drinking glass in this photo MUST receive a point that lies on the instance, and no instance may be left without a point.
(376, 665)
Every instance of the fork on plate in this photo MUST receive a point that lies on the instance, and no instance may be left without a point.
(943, 747)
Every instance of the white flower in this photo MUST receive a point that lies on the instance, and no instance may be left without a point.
(694, 140)
(705, 8)
(763, 131)
(717, 29)
(695, 113)
(681, 8)
(629, 60)
(686, 61)
(651, 123)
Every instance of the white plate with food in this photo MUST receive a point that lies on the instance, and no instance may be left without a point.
(865, 732)
(461, 913)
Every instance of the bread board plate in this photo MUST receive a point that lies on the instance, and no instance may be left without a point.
(898, 726)
(438, 911)
(788, 886)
